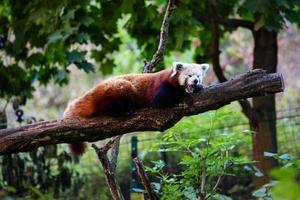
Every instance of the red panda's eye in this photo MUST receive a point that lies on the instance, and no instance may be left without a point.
(190, 75)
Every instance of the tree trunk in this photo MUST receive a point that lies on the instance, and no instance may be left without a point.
(263, 122)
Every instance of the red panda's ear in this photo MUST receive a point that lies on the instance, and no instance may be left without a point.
(176, 67)
(204, 68)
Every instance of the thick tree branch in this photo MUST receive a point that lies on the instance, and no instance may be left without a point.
(229, 22)
(144, 179)
(235, 23)
(254, 83)
(164, 31)
(246, 106)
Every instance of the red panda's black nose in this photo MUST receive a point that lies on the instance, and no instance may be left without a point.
(196, 81)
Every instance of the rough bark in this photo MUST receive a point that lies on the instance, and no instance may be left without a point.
(114, 153)
(29, 137)
(263, 123)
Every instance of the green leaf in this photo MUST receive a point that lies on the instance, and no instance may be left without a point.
(287, 187)
(156, 186)
(35, 59)
(247, 131)
(285, 157)
(82, 38)
(159, 2)
(107, 67)
(221, 197)
(257, 173)
(293, 16)
(260, 23)
(87, 21)
(70, 14)
(75, 56)
(55, 37)
(269, 154)
(86, 66)
(284, 174)
(261, 192)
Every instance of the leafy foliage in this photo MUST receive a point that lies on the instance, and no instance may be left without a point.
(207, 157)
(285, 185)
(40, 40)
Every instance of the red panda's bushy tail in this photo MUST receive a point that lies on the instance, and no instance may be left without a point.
(78, 148)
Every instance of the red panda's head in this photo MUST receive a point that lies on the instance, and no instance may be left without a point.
(190, 75)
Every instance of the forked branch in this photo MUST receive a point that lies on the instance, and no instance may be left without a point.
(164, 32)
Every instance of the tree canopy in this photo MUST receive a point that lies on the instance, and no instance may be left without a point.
(39, 39)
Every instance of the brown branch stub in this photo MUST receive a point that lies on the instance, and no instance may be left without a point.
(164, 32)
(106, 147)
(144, 179)
(254, 83)
(108, 171)
(115, 152)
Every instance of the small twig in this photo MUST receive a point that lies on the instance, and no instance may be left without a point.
(144, 179)
(219, 178)
(203, 180)
(164, 32)
(203, 174)
(114, 189)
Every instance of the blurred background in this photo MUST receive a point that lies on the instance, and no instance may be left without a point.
(54, 51)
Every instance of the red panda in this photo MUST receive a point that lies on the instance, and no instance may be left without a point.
(120, 94)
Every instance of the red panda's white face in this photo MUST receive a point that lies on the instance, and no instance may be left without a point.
(190, 75)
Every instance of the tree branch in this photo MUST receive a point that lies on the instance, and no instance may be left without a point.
(164, 31)
(229, 22)
(114, 153)
(144, 179)
(235, 23)
(108, 171)
(254, 83)
(214, 50)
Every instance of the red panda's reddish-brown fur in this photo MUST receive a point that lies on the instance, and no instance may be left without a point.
(132, 90)
(123, 93)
